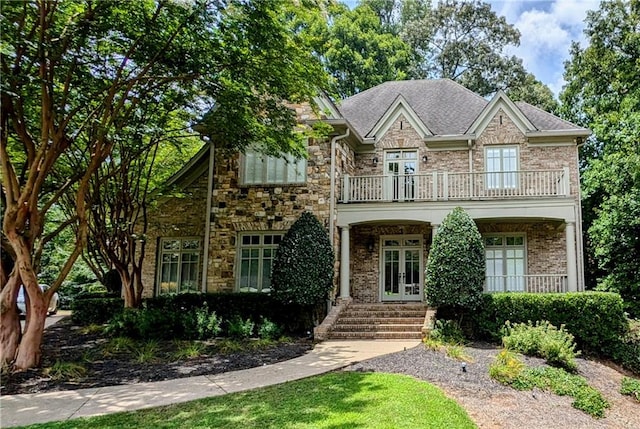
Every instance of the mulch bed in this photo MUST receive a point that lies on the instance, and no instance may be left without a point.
(65, 342)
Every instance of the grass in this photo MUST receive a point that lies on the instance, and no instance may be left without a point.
(336, 400)
(630, 387)
(66, 371)
(188, 349)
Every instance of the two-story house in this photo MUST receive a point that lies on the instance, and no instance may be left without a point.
(402, 156)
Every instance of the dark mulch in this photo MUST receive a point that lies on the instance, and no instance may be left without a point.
(65, 342)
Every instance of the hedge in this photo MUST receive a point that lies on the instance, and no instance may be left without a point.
(596, 319)
(254, 306)
(87, 311)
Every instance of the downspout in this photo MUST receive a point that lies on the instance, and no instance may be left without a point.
(207, 218)
(332, 195)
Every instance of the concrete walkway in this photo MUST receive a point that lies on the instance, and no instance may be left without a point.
(19, 410)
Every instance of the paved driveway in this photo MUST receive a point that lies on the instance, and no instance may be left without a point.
(52, 320)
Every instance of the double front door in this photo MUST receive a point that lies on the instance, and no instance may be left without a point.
(402, 268)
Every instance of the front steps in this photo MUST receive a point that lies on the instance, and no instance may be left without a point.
(379, 321)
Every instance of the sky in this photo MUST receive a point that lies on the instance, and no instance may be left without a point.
(547, 28)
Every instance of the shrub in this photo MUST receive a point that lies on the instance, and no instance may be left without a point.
(630, 387)
(302, 270)
(506, 367)
(447, 332)
(239, 328)
(557, 380)
(96, 310)
(595, 319)
(208, 325)
(456, 266)
(66, 371)
(269, 330)
(544, 340)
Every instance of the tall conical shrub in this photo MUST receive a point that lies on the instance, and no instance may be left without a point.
(456, 267)
(302, 270)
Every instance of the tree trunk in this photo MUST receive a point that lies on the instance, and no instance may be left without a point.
(9, 321)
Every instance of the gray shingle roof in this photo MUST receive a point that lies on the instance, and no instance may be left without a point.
(444, 106)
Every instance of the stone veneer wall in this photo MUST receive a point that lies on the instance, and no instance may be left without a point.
(175, 217)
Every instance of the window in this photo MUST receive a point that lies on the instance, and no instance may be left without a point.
(502, 167)
(505, 263)
(259, 169)
(179, 265)
(256, 253)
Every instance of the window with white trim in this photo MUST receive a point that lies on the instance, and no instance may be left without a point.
(501, 165)
(256, 252)
(505, 256)
(260, 169)
(179, 266)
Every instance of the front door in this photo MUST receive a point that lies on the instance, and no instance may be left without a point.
(401, 268)
(400, 168)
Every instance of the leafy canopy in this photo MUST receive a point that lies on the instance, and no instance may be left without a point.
(303, 266)
(456, 267)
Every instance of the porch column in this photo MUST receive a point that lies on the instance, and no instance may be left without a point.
(344, 262)
(572, 272)
(434, 231)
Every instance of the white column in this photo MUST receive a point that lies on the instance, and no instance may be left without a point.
(572, 271)
(344, 262)
(434, 231)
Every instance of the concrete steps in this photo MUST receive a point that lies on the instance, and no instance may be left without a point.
(379, 321)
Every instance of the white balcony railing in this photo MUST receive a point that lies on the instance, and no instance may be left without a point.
(439, 186)
(535, 283)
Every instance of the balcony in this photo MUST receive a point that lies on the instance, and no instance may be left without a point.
(444, 186)
(534, 283)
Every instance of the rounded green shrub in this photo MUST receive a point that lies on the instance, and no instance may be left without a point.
(456, 267)
(303, 266)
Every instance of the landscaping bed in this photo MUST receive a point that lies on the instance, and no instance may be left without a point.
(81, 357)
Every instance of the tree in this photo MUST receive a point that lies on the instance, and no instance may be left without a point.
(603, 93)
(536, 93)
(464, 41)
(75, 74)
(456, 268)
(358, 53)
(302, 271)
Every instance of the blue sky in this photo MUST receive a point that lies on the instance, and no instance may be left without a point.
(547, 28)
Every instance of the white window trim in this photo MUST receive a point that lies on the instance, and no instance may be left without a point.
(288, 161)
(504, 246)
(261, 246)
(161, 251)
(515, 172)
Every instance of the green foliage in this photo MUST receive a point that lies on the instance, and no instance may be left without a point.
(146, 351)
(506, 367)
(603, 93)
(557, 380)
(357, 52)
(293, 317)
(95, 310)
(208, 325)
(630, 387)
(188, 350)
(61, 370)
(447, 332)
(456, 267)
(118, 345)
(302, 270)
(595, 319)
(534, 92)
(240, 329)
(627, 352)
(543, 339)
(269, 330)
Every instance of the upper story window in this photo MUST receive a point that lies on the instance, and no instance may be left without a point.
(502, 166)
(179, 265)
(255, 259)
(260, 169)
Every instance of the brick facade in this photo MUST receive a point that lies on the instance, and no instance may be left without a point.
(237, 208)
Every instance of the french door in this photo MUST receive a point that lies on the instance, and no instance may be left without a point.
(400, 168)
(402, 267)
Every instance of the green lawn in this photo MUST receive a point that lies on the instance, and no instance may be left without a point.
(332, 401)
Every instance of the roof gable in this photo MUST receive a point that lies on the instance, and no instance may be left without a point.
(501, 102)
(400, 107)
